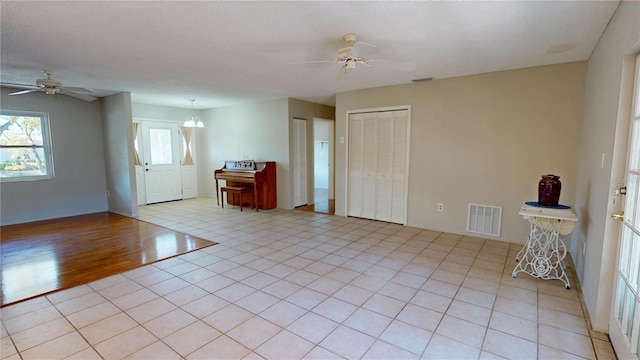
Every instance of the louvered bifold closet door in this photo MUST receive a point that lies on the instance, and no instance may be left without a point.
(399, 166)
(378, 165)
(369, 165)
(385, 166)
(356, 135)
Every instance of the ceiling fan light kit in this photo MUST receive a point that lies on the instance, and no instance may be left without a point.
(48, 83)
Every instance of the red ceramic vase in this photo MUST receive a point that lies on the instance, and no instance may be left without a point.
(549, 190)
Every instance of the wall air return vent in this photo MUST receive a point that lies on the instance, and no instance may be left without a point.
(484, 219)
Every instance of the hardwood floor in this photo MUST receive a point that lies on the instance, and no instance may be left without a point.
(45, 256)
(324, 207)
(321, 203)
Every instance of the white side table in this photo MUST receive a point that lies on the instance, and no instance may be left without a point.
(542, 256)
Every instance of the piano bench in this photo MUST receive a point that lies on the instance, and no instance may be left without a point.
(236, 190)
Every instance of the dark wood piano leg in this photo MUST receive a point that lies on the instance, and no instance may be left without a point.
(217, 193)
(255, 195)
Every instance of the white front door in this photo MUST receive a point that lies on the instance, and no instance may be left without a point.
(161, 162)
(299, 162)
(624, 324)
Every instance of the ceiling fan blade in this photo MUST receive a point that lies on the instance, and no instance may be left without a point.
(17, 86)
(76, 89)
(21, 92)
(362, 49)
(77, 95)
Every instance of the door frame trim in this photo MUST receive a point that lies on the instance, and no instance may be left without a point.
(613, 228)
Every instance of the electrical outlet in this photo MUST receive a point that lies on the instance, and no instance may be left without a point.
(440, 207)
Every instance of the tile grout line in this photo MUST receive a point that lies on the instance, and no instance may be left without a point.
(239, 243)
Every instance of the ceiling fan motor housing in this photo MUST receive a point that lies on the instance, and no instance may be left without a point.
(344, 53)
(350, 38)
(48, 83)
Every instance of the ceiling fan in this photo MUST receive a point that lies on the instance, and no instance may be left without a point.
(52, 87)
(353, 54)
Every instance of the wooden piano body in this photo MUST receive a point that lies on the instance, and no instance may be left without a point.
(261, 176)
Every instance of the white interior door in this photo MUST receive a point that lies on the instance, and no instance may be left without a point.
(378, 157)
(299, 162)
(624, 324)
(369, 165)
(399, 166)
(355, 179)
(384, 166)
(161, 144)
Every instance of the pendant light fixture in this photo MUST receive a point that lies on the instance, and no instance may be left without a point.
(193, 121)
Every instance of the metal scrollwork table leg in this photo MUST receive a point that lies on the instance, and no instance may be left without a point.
(542, 256)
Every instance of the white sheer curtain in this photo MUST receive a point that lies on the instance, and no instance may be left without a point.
(136, 156)
(186, 134)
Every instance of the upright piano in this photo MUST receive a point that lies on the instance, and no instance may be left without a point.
(261, 176)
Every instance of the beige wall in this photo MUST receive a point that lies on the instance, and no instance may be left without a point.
(604, 132)
(257, 131)
(483, 139)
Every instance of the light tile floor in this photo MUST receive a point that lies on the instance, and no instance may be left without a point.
(292, 284)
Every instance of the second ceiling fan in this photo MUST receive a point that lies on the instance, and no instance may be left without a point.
(354, 54)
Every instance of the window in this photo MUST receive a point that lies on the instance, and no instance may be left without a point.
(25, 146)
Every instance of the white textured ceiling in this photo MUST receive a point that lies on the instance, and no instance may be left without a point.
(224, 53)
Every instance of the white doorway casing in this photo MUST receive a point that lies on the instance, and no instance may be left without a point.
(624, 323)
(323, 144)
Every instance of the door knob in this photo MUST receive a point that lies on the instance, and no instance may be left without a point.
(147, 169)
(618, 216)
